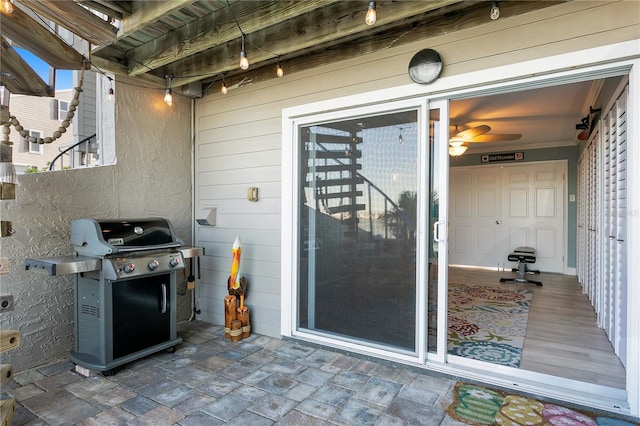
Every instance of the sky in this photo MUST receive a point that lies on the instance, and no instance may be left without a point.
(63, 77)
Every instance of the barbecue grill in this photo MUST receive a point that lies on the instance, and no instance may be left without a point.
(125, 288)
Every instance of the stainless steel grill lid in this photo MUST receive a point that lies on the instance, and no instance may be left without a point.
(101, 237)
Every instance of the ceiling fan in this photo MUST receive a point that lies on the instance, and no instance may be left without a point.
(473, 135)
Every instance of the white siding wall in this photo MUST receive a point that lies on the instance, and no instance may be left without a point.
(238, 136)
(86, 115)
(34, 113)
(152, 178)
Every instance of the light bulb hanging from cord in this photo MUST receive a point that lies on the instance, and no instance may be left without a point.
(223, 88)
(495, 11)
(244, 61)
(279, 70)
(168, 97)
(7, 7)
(110, 93)
(371, 16)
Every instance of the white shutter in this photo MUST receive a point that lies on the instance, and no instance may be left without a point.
(602, 223)
(620, 284)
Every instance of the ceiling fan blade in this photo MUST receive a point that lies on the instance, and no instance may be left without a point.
(473, 132)
(495, 138)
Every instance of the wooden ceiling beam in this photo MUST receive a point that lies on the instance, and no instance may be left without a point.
(75, 18)
(214, 30)
(447, 20)
(105, 65)
(326, 26)
(146, 12)
(17, 76)
(27, 33)
(114, 9)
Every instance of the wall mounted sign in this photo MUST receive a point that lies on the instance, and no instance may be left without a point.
(425, 66)
(506, 156)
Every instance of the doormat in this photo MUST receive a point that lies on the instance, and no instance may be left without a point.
(488, 323)
(477, 405)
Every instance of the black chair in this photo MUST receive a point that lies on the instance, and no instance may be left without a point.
(522, 255)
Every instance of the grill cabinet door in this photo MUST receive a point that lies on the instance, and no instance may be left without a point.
(141, 313)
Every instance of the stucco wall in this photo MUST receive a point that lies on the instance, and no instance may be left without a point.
(152, 178)
(239, 136)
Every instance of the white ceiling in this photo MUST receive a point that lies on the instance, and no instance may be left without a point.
(544, 117)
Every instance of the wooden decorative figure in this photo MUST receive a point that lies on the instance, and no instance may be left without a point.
(237, 287)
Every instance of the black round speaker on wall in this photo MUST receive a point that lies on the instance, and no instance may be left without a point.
(425, 66)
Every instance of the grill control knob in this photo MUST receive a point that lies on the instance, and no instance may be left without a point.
(175, 261)
(129, 268)
(153, 265)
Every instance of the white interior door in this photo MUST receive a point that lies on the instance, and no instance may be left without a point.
(474, 216)
(495, 209)
(533, 212)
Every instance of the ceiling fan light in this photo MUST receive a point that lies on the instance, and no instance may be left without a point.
(457, 150)
(455, 142)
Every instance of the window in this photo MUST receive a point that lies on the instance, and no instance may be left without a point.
(34, 147)
(63, 107)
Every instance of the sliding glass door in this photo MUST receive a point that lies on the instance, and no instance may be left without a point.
(357, 216)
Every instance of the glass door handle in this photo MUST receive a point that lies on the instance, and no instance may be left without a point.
(436, 231)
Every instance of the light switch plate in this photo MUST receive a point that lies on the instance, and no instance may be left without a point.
(252, 194)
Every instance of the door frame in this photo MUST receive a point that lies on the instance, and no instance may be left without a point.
(290, 241)
(600, 62)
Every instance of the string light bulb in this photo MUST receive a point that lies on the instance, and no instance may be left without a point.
(244, 61)
(7, 7)
(495, 11)
(279, 70)
(371, 16)
(168, 96)
(110, 93)
(223, 88)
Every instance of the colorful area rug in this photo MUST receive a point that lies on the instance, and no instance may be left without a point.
(477, 405)
(488, 323)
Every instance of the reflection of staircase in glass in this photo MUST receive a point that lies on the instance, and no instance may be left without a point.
(332, 169)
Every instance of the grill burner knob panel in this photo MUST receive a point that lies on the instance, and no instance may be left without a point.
(141, 264)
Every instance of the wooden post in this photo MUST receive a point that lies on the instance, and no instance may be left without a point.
(236, 331)
(9, 339)
(229, 314)
(6, 373)
(243, 316)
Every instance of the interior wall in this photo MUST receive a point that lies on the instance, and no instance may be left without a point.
(152, 178)
(569, 153)
(238, 135)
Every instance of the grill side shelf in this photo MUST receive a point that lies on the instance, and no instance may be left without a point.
(63, 265)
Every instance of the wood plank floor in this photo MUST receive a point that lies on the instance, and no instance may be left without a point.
(562, 336)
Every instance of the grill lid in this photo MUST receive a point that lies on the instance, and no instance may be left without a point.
(100, 237)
